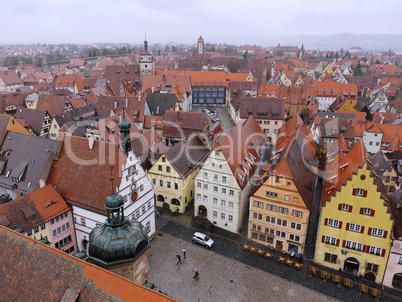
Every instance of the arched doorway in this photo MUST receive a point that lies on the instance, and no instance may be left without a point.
(397, 281)
(369, 276)
(202, 211)
(351, 265)
(160, 198)
(166, 206)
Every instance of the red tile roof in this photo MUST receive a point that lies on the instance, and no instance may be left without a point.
(82, 174)
(57, 276)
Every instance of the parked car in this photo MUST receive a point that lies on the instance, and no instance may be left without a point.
(213, 112)
(216, 118)
(206, 111)
(202, 239)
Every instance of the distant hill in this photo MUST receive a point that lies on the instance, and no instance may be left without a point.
(326, 42)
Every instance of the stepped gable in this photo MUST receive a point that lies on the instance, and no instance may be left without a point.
(340, 169)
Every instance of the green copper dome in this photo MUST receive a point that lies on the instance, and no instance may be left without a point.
(124, 124)
(110, 244)
(114, 201)
(118, 239)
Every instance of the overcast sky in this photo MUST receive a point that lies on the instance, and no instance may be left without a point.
(183, 21)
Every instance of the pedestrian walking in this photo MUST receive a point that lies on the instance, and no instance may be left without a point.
(196, 274)
(184, 253)
(178, 259)
(300, 258)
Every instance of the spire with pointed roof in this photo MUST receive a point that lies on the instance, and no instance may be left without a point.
(125, 126)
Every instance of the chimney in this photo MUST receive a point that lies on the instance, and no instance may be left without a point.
(42, 183)
(15, 191)
(91, 142)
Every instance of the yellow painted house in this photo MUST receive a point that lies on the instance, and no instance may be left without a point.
(328, 69)
(280, 208)
(173, 174)
(355, 220)
(11, 124)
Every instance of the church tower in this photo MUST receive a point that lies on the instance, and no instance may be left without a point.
(200, 46)
(120, 245)
(147, 65)
(125, 126)
(302, 53)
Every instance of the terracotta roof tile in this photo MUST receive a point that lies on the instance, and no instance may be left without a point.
(55, 275)
(77, 163)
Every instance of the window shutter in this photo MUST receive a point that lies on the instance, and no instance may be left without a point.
(337, 242)
(323, 238)
(340, 224)
(372, 212)
(326, 221)
(343, 243)
(354, 192)
(385, 234)
(367, 249)
(364, 193)
(340, 206)
(350, 208)
(383, 253)
(369, 231)
(361, 210)
(347, 226)
(362, 229)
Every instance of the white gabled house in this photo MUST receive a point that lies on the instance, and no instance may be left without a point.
(224, 182)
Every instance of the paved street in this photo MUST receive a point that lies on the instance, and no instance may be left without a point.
(221, 278)
(228, 273)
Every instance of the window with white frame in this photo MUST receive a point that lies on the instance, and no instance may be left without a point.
(375, 250)
(224, 179)
(354, 245)
(205, 198)
(215, 214)
(230, 205)
(367, 211)
(333, 223)
(345, 207)
(215, 200)
(223, 203)
(230, 218)
(330, 240)
(198, 185)
(399, 261)
(287, 197)
(231, 192)
(198, 196)
(355, 227)
(215, 189)
(377, 232)
(205, 186)
(297, 213)
(223, 216)
(223, 191)
(216, 177)
(271, 194)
